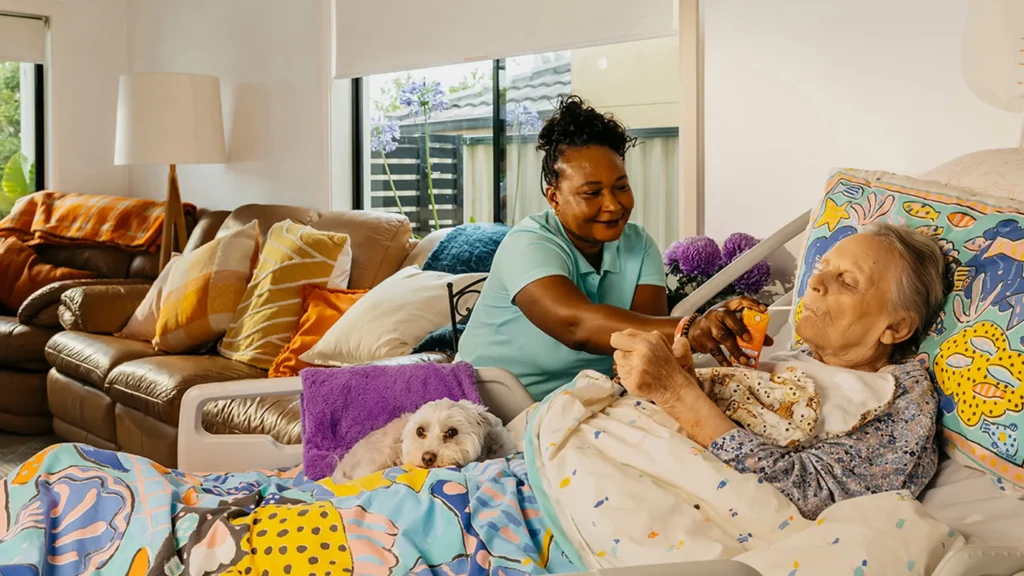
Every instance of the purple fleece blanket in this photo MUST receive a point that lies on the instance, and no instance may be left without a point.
(342, 405)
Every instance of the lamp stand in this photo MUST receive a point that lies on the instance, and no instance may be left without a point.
(174, 220)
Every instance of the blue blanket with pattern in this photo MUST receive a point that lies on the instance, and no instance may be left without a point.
(73, 509)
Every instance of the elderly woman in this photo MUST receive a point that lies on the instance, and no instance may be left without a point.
(865, 309)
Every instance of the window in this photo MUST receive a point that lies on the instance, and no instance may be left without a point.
(420, 145)
(22, 51)
(21, 132)
(438, 132)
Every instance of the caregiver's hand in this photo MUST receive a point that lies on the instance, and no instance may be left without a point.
(721, 326)
(649, 367)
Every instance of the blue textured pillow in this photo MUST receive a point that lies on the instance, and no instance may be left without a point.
(467, 249)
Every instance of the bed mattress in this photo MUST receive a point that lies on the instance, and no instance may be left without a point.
(967, 501)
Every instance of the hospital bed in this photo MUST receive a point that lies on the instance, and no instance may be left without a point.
(965, 499)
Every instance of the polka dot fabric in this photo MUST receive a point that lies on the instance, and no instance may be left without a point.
(975, 348)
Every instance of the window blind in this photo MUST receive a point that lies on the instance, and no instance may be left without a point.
(22, 39)
(396, 35)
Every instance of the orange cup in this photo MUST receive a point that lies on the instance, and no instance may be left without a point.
(757, 327)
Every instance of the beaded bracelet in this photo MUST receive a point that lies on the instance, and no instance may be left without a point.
(683, 328)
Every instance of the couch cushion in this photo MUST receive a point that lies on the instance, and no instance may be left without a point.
(144, 266)
(72, 433)
(380, 243)
(266, 215)
(91, 357)
(154, 386)
(23, 393)
(105, 262)
(22, 346)
(206, 229)
(275, 416)
(82, 406)
(421, 250)
(148, 437)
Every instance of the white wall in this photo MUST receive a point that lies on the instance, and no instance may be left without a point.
(796, 87)
(88, 51)
(273, 59)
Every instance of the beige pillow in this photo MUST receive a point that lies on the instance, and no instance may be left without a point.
(391, 319)
(142, 325)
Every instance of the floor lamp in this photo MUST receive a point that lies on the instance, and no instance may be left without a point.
(169, 119)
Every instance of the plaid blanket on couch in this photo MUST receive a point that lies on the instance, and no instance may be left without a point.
(131, 224)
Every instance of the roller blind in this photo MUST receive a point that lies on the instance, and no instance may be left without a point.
(396, 35)
(22, 39)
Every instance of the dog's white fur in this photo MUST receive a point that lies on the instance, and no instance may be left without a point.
(441, 433)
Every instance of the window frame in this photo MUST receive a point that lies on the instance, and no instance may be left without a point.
(40, 125)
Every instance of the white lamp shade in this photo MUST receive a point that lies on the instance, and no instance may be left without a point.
(993, 53)
(168, 118)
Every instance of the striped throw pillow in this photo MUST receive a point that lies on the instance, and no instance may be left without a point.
(294, 255)
(201, 290)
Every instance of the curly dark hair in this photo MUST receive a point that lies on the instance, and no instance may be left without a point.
(576, 124)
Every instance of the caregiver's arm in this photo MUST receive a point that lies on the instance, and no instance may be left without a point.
(895, 451)
(561, 310)
(651, 296)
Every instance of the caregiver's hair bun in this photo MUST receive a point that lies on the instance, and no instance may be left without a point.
(576, 124)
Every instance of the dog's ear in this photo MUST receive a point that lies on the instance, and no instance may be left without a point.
(479, 412)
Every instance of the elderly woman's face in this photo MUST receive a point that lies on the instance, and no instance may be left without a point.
(847, 318)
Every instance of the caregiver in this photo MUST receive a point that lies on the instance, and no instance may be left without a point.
(564, 280)
(865, 310)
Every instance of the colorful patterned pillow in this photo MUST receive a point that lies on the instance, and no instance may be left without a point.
(294, 255)
(975, 349)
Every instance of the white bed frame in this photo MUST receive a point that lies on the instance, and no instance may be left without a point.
(200, 451)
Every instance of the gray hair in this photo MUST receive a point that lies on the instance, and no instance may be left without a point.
(921, 289)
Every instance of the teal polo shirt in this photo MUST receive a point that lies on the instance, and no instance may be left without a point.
(500, 336)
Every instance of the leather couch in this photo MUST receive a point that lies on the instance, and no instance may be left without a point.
(25, 332)
(124, 395)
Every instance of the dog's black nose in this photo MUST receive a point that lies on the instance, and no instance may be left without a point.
(428, 459)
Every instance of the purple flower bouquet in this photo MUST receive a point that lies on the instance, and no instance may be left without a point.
(693, 261)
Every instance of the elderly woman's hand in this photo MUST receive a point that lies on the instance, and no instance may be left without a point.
(722, 326)
(650, 367)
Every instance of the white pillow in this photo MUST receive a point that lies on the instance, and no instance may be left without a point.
(391, 319)
(998, 173)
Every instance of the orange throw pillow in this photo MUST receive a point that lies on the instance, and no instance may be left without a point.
(22, 273)
(321, 308)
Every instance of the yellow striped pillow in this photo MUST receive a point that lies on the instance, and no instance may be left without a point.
(294, 255)
(200, 291)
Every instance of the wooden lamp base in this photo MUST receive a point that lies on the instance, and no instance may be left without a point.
(174, 221)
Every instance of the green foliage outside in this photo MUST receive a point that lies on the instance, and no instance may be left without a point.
(387, 101)
(18, 171)
(10, 110)
(470, 81)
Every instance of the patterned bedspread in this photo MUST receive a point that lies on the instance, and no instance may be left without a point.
(73, 509)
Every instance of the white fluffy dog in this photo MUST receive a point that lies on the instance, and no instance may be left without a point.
(441, 433)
